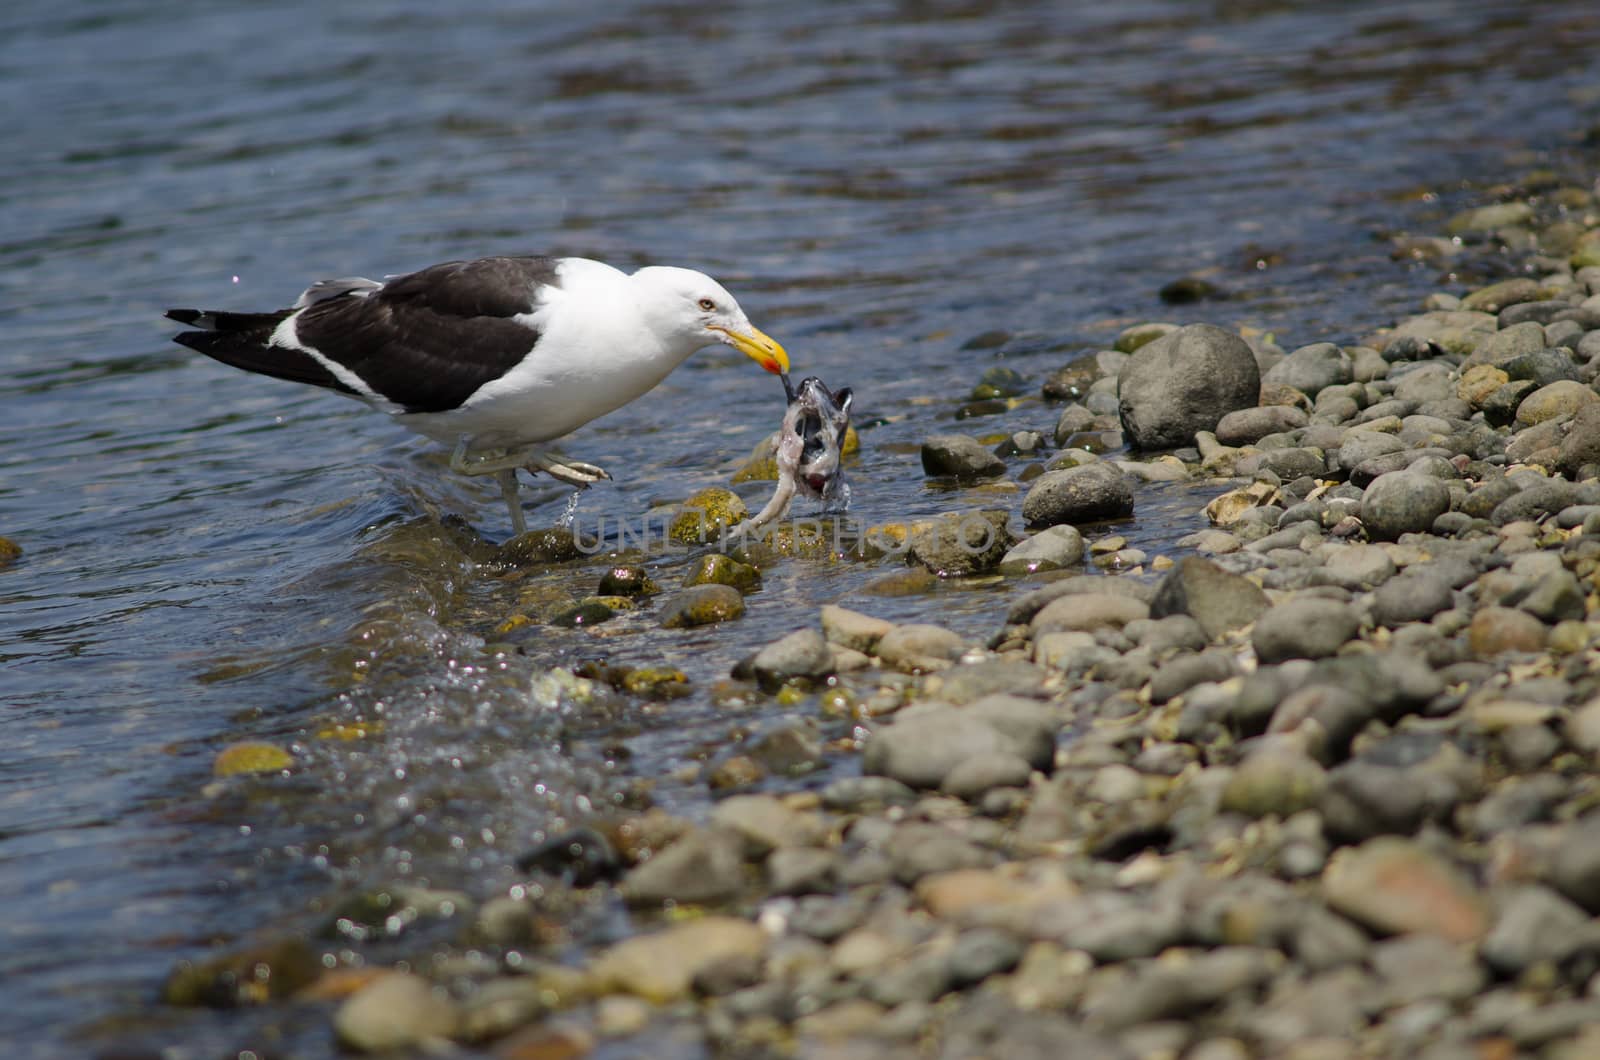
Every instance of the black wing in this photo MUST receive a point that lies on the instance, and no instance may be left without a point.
(426, 341)
(429, 340)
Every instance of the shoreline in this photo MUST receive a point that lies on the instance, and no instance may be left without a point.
(1323, 788)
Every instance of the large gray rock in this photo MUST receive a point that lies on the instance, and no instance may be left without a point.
(1078, 494)
(1185, 382)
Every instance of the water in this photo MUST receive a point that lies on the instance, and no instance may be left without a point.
(212, 557)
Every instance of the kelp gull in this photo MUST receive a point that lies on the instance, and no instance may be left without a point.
(496, 355)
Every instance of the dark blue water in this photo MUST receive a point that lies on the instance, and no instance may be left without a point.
(212, 557)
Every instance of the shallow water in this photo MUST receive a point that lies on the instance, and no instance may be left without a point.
(212, 557)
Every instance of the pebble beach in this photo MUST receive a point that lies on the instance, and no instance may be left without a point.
(1319, 783)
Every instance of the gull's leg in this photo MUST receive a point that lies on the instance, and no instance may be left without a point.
(508, 490)
(494, 461)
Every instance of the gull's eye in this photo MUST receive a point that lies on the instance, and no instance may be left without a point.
(707, 304)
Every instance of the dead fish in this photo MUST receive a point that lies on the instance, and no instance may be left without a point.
(810, 446)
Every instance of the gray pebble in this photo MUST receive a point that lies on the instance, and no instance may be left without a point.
(1304, 628)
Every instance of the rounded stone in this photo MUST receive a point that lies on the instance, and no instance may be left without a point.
(1312, 368)
(1402, 503)
(702, 605)
(1086, 493)
(1052, 548)
(960, 456)
(1501, 629)
(395, 1011)
(1304, 628)
(1185, 382)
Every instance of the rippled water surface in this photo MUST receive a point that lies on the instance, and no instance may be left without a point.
(213, 557)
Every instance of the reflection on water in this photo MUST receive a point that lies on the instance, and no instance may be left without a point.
(212, 557)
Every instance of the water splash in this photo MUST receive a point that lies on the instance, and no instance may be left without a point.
(570, 513)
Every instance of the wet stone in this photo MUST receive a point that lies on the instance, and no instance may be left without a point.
(959, 456)
(251, 976)
(626, 580)
(701, 605)
(961, 543)
(720, 569)
(706, 516)
(1052, 548)
(1088, 493)
(802, 656)
(582, 855)
(539, 548)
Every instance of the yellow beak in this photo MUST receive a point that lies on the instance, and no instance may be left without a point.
(760, 348)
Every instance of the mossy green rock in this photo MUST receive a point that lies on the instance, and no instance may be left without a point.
(702, 605)
(248, 977)
(706, 515)
(553, 544)
(720, 569)
(10, 552)
(999, 383)
(251, 756)
(590, 612)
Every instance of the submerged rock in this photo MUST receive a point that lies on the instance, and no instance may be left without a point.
(701, 605)
(251, 756)
(961, 543)
(706, 516)
(720, 569)
(246, 977)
